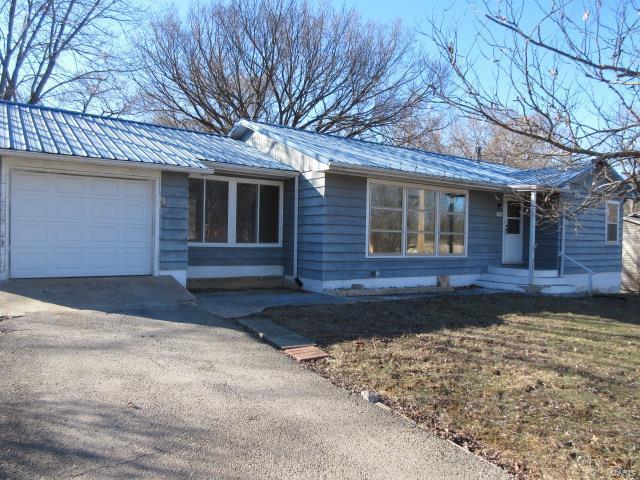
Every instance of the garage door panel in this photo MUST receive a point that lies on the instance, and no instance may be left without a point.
(67, 234)
(31, 209)
(70, 185)
(133, 189)
(28, 233)
(30, 182)
(136, 212)
(69, 209)
(107, 210)
(105, 187)
(69, 226)
(31, 261)
(135, 236)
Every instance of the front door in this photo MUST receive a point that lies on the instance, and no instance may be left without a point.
(512, 231)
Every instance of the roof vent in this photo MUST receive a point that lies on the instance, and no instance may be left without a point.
(478, 153)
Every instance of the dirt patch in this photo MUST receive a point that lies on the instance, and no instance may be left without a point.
(546, 387)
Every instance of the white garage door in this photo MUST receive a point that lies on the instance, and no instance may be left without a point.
(77, 226)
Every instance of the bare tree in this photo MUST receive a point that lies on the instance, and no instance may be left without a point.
(290, 62)
(570, 77)
(499, 145)
(58, 50)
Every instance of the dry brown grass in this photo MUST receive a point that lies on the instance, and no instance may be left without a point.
(546, 387)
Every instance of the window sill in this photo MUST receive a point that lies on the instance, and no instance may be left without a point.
(234, 245)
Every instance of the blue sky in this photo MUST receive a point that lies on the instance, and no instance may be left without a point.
(462, 14)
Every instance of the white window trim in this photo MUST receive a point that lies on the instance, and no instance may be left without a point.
(231, 214)
(403, 253)
(606, 222)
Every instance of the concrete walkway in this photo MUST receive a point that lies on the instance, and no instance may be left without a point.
(172, 391)
(247, 302)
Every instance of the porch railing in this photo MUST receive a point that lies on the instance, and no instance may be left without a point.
(585, 268)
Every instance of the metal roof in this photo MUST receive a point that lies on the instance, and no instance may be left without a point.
(334, 150)
(553, 177)
(37, 129)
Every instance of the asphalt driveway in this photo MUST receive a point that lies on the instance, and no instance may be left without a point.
(163, 389)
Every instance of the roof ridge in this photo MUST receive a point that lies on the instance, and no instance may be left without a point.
(370, 142)
(106, 117)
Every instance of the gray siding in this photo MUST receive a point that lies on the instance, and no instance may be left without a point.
(547, 243)
(235, 256)
(585, 242)
(174, 214)
(344, 235)
(312, 225)
(584, 236)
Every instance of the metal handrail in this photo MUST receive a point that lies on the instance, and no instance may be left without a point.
(585, 268)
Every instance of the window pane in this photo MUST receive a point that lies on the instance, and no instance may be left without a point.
(452, 202)
(269, 213)
(420, 243)
(246, 213)
(386, 219)
(421, 221)
(385, 243)
(452, 223)
(451, 244)
(513, 226)
(612, 232)
(612, 214)
(513, 209)
(418, 199)
(216, 211)
(387, 196)
(196, 187)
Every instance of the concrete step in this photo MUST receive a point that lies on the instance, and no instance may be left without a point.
(520, 280)
(559, 289)
(522, 272)
(507, 287)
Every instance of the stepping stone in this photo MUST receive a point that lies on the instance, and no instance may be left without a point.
(274, 334)
(305, 354)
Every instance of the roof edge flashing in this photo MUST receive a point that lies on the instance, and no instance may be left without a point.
(249, 170)
(11, 153)
(336, 167)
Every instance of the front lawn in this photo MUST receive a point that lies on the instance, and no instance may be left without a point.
(547, 387)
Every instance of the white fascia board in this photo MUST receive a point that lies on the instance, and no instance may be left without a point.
(7, 152)
(344, 169)
(255, 171)
(536, 188)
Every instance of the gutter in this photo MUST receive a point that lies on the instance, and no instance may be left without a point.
(249, 170)
(537, 188)
(7, 152)
(336, 167)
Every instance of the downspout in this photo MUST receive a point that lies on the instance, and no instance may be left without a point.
(532, 237)
(295, 230)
